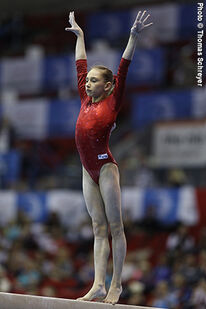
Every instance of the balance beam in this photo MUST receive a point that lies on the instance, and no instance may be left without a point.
(21, 301)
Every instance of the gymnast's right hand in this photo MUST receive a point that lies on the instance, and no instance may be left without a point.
(74, 26)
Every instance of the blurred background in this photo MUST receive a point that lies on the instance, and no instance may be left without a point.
(46, 241)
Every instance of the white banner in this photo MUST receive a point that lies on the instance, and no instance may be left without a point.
(22, 74)
(69, 205)
(199, 102)
(180, 144)
(169, 205)
(30, 118)
(132, 202)
(8, 209)
(187, 210)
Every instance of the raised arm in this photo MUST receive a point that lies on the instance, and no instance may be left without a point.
(136, 28)
(80, 51)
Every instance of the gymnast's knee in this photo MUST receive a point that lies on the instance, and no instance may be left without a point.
(116, 229)
(100, 229)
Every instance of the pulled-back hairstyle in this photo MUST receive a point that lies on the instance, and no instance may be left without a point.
(106, 73)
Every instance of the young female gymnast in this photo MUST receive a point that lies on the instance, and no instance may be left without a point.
(101, 99)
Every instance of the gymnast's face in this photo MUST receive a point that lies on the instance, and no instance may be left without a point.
(95, 85)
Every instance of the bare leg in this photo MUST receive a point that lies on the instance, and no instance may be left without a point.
(96, 210)
(110, 191)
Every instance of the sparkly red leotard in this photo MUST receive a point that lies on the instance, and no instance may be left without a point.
(96, 120)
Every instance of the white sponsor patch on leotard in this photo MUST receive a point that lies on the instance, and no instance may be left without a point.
(103, 156)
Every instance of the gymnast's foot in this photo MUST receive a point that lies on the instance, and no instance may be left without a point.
(97, 292)
(113, 295)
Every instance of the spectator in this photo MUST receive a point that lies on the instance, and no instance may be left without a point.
(7, 136)
(5, 284)
(189, 269)
(202, 239)
(179, 292)
(180, 240)
(136, 293)
(176, 178)
(202, 262)
(198, 300)
(29, 275)
(161, 295)
(162, 271)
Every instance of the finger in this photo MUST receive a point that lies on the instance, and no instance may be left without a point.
(71, 14)
(142, 16)
(137, 17)
(67, 29)
(148, 25)
(145, 18)
(71, 17)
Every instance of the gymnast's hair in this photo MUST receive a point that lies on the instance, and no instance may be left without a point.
(106, 73)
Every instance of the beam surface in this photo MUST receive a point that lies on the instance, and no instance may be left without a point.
(21, 301)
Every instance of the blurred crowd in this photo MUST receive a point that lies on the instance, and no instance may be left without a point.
(165, 268)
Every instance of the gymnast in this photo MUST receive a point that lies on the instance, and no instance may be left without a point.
(101, 99)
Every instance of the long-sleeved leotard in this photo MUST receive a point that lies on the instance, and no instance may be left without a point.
(96, 121)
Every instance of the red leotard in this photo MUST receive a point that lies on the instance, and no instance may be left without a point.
(96, 120)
